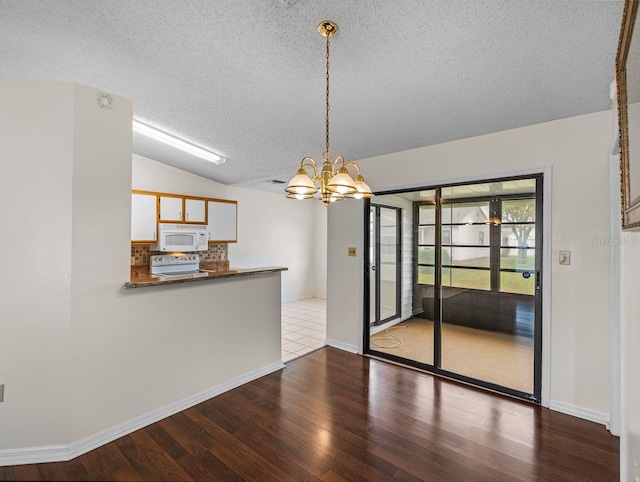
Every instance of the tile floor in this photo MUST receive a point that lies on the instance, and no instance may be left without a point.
(304, 327)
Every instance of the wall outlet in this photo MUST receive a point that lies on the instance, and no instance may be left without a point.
(565, 257)
(351, 251)
(2, 393)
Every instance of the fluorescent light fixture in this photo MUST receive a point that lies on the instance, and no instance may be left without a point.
(172, 141)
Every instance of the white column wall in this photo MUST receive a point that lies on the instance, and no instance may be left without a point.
(344, 290)
(320, 250)
(36, 155)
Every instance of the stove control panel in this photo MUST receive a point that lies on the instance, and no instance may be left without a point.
(174, 259)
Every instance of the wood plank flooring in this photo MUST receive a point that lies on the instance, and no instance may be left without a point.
(335, 416)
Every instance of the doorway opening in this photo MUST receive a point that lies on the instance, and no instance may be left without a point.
(469, 300)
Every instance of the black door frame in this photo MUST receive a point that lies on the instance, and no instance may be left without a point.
(378, 320)
(534, 397)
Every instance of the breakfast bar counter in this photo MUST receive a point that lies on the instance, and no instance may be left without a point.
(142, 278)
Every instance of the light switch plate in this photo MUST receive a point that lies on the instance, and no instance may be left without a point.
(351, 251)
(565, 258)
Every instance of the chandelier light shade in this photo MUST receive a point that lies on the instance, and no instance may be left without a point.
(299, 196)
(342, 182)
(301, 184)
(334, 183)
(363, 189)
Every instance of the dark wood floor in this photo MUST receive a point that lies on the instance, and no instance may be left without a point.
(336, 416)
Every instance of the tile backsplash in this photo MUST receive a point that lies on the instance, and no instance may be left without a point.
(140, 254)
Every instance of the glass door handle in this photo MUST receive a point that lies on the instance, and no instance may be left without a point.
(373, 268)
(538, 280)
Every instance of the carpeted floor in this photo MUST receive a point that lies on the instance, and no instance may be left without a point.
(493, 357)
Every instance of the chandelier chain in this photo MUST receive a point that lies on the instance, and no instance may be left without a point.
(334, 182)
(327, 152)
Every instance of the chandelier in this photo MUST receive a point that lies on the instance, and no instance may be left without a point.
(333, 182)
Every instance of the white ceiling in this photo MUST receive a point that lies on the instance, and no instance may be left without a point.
(245, 78)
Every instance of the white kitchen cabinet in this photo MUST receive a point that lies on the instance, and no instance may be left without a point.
(222, 221)
(144, 218)
(194, 210)
(171, 209)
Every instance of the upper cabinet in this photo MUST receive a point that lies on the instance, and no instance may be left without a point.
(144, 217)
(150, 208)
(182, 209)
(171, 209)
(222, 221)
(195, 210)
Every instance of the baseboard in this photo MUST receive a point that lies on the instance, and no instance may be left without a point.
(341, 346)
(94, 441)
(592, 416)
(60, 453)
(34, 455)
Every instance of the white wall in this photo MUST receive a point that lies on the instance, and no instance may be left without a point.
(80, 356)
(272, 230)
(320, 250)
(577, 150)
(36, 154)
(344, 292)
(627, 246)
(630, 336)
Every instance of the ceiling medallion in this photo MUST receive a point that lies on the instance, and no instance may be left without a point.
(333, 182)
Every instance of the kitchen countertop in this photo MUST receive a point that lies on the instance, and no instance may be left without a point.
(143, 278)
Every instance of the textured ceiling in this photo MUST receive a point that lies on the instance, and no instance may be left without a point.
(245, 78)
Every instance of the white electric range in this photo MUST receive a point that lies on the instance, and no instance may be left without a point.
(178, 264)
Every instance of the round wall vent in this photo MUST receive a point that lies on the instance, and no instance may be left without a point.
(105, 101)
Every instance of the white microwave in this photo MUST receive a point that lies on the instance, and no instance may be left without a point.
(181, 238)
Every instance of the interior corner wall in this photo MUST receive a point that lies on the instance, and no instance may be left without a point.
(272, 230)
(320, 250)
(36, 153)
(577, 150)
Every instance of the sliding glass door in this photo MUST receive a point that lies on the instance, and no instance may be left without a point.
(477, 294)
(384, 263)
(488, 290)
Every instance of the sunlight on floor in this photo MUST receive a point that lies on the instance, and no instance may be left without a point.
(505, 360)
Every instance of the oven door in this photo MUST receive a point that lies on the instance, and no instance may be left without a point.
(178, 241)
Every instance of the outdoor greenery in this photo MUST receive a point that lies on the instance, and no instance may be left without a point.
(428, 256)
(518, 216)
(480, 279)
